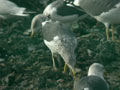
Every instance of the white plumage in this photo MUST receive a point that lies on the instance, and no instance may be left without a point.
(58, 38)
(105, 11)
(94, 80)
(60, 11)
(9, 8)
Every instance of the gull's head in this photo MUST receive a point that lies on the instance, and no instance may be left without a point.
(77, 2)
(96, 69)
(36, 24)
(52, 7)
(59, 3)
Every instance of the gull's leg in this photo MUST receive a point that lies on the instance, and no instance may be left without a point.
(73, 73)
(65, 67)
(112, 27)
(73, 70)
(107, 33)
(107, 30)
(53, 60)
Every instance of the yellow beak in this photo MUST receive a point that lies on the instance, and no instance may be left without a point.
(32, 34)
(105, 73)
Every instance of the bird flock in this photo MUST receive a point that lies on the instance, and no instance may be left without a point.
(55, 24)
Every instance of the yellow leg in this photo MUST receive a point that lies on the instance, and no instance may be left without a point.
(112, 32)
(73, 73)
(53, 60)
(107, 33)
(65, 67)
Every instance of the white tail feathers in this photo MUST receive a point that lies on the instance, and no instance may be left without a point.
(3, 17)
(86, 89)
(21, 11)
(8, 8)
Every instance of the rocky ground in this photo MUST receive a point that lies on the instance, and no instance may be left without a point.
(25, 63)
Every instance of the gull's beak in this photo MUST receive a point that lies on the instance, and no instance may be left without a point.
(105, 73)
(32, 34)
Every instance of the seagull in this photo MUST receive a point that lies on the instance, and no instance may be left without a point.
(63, 12)
(105, 11)
(94, 80)
(8, 8)
(58, 38)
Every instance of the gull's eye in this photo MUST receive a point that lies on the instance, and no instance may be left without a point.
(43, 19)
(49, 16)
(48, 22)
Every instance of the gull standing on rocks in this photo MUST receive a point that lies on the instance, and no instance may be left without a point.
(58, 38)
